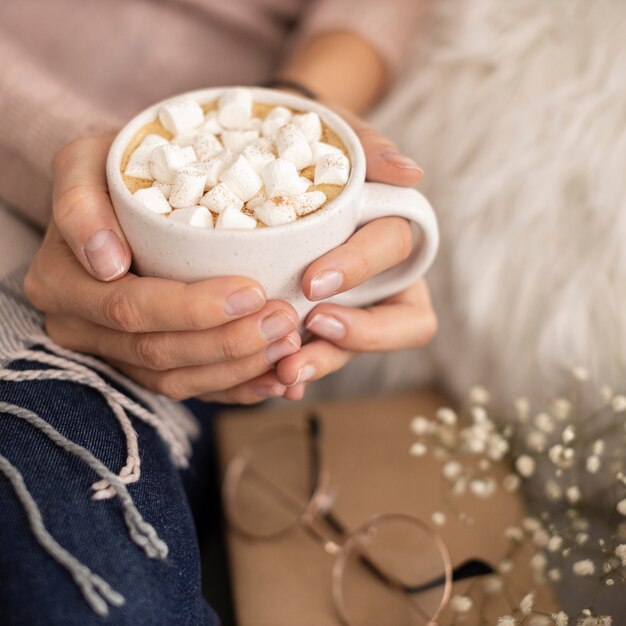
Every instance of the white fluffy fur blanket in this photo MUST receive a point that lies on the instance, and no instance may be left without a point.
(517, 112)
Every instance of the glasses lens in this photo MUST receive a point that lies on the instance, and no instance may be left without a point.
(270, 485)
(391, 571)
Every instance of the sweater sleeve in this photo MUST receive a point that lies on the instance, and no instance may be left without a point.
(388, 25)
(38, 116)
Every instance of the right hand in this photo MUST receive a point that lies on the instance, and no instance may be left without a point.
(215, 339)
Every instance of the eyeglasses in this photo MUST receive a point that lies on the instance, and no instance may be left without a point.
(394, 569)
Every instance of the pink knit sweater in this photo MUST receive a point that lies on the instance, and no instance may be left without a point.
(72, 67)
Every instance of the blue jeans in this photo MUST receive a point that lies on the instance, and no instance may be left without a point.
(34, 588)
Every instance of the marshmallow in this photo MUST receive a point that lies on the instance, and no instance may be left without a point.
(166, 160)
(166, 188)
(277, 117)
(293, 146)
(310, 124)
(259, 153)
(256, 123)
(187, 188)
(220, 198)
(153, 199)
(242, 179)
(197, 216)
(308, 202)
(321, 149)
(237, 140)
(206, 145)
(215, 166)
(276, 211)
(256, 200)
(181, 115)
(139, 162)
(333, 169)
(233, 218)
(235, 108)
(211, 124)
(281, 179)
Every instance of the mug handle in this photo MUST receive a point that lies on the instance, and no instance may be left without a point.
(380, 200)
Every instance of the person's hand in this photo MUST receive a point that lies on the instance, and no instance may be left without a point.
(406, 320)
(215, 339)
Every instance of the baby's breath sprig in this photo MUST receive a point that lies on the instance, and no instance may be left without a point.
(580, 457)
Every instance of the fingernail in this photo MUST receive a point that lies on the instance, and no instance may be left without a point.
(391, 155)
(326, 284)
(277, 325)
(244, 301)
(270, 391)
(105, 254)
(305, 373)
(326, 326)
(281, 349)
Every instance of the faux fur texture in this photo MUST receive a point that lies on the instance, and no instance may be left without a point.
(517, 113)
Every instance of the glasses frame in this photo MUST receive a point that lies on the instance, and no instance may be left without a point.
(317, 513)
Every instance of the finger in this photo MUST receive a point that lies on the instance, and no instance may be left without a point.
(169, 350)
(192, 382)
(295, 393)
(83, 211)
(251, 392)
(57, 284)
(385, 163)
(313, 361)
(399, 323)
(377, 246)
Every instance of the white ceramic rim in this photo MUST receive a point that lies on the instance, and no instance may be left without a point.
(350, 193)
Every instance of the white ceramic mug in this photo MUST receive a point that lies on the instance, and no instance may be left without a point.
(276, 256)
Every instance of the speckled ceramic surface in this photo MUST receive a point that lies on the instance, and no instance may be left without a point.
(276, 256)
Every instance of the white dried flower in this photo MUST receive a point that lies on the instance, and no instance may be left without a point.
(451, 470)
(479, 395)
(527, 603)
(514, 534)
(418, 449)
(573, 494)
(522, 407)
(421, 425)
(554, 574)
(507, 620)
(447, 416)
(536, 440)
(560, 619)
(606, 393)
(511, 483)
(553, 490)
(592, 464)
(461, 604)
(439, 518)
(497, 447)
(540, 538)
(591, 620)
(569, 434)
(492, 584)
(561, 408)
(483, 487)
(580, 373)
(620, 553)
(599, 446)
(619, 403)
(582, 538)
(544, 422)
(505, 566)
(554, 543)
(531, 524)
(585, 567)
(621, 507)
(538, 562)
(561, 456)
(525, 465)
(580, 523)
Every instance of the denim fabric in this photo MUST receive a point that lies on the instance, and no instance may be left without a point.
(34, 588)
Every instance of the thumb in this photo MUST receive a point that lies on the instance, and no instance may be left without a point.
(385, 163)
(82, 209)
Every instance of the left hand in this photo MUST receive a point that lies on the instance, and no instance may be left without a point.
(406, 320)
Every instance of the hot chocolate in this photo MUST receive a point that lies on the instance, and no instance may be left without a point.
(234, 163)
